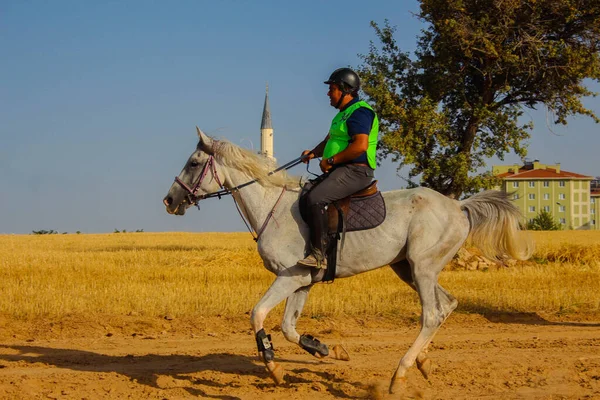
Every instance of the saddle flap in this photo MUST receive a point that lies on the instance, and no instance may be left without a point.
(333, 216)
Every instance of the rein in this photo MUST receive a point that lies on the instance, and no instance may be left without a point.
(193, 198)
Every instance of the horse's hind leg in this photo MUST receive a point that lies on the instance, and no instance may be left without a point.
(281, 289)
(436, 305)
(447, 304)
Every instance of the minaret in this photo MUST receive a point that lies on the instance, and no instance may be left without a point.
(266, 129)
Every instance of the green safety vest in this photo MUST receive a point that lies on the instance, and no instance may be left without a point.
(339, 138)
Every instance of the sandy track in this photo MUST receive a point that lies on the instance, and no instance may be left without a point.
(473, 357)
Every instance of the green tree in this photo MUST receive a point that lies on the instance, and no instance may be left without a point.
(544, 221)
(478, 64)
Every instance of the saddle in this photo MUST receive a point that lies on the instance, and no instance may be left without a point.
(362, 210)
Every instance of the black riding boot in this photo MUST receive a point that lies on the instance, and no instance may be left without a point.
(319, 239)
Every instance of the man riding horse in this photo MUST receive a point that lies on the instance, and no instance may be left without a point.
(348, 158)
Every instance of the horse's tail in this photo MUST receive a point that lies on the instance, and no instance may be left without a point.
(495, 228)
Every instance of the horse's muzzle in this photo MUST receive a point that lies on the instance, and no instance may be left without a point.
(177, 210)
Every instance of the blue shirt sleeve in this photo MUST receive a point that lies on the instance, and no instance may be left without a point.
(360, 121)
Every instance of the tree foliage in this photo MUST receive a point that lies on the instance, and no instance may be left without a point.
(544, 221)
(45, 232)
(478, 64)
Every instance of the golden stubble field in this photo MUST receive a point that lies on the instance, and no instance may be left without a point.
(210, 274)
(165, 315)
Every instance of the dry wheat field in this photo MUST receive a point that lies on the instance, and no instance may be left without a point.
(166, 316)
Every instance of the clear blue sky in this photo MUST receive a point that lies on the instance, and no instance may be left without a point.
(99, 100)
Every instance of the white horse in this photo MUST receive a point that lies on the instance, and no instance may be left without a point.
(422, 232)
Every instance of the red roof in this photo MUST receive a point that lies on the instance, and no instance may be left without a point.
(547, 173)
(595, 192)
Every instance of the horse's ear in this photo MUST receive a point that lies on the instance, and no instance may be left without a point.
(205, 141)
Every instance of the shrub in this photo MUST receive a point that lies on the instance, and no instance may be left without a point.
(544, 221)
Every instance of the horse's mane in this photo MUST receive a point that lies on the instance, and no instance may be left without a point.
(255, 165)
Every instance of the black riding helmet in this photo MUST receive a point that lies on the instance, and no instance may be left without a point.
(347, 80)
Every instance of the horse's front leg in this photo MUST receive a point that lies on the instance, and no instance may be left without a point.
(284, 286)
(293, 308)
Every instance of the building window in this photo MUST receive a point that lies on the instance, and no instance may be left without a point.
(561, 183)
(547, 208)
(593, 211)
(593, 222)
(561, 208)
(515, 196)
(546, 196)
(515, 184)
(593, 200)
(561, 196)
(546, 183)
(531, 208)
(531, 196)
(563, 221)
(532, 184)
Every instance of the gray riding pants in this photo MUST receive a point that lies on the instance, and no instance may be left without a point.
(343, 181)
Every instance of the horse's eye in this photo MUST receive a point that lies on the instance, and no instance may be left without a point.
(194, 164)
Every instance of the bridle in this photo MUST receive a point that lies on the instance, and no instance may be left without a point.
(193, 198)
(192, 193)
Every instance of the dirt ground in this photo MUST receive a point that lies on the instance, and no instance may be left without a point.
(502, 357)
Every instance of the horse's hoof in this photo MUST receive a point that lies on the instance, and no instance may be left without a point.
(276, 371)
(398, 385)
(425, 367)
(340, 353)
